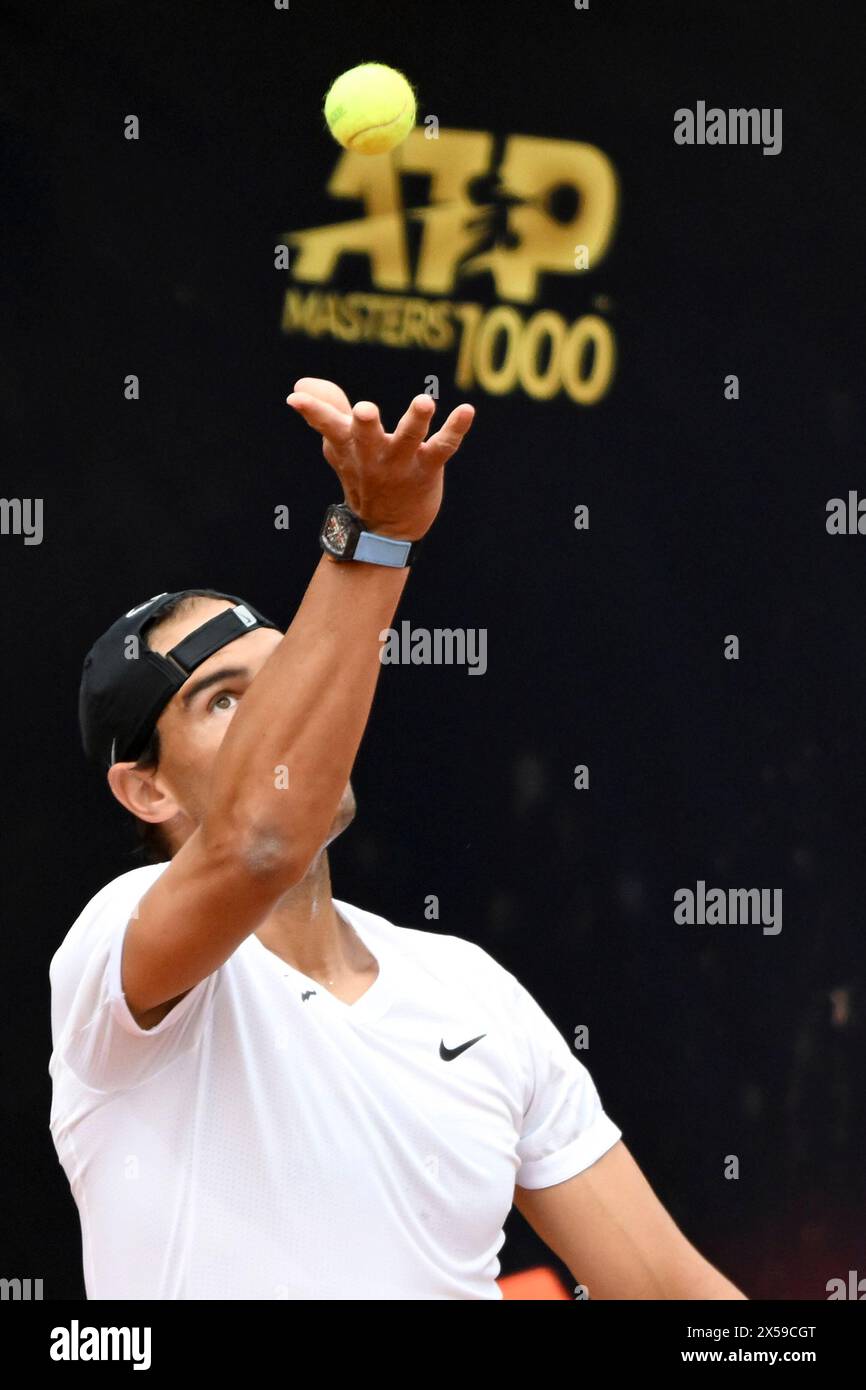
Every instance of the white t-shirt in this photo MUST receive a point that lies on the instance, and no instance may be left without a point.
(267, 1140)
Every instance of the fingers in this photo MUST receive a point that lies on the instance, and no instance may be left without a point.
(367, 429)
(327, 391)
(327, 409)
(413, 426)
(447, 440)
(334, 424)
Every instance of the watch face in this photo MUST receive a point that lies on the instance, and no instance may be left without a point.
(336, 533)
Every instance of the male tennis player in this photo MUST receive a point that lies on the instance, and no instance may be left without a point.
(261, 1091)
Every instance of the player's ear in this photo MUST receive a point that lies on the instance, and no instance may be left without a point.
(136, 789)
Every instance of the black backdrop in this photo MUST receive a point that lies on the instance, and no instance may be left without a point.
(155, 257)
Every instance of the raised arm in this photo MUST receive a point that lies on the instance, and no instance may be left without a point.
(305, 711)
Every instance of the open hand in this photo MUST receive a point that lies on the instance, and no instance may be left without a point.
(393, 481)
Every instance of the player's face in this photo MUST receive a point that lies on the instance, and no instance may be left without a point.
(195, 721)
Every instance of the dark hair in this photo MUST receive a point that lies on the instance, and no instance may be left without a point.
(154, 845)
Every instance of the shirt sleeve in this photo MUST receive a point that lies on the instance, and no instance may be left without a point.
(565, 1129)
(97, 1036)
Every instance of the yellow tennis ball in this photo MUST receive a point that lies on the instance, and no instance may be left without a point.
(370, 108)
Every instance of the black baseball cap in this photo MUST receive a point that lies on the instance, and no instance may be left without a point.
(125, 686)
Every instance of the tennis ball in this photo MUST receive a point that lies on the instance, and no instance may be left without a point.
(370, 108)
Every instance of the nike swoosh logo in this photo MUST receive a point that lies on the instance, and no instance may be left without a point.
(449, 1053)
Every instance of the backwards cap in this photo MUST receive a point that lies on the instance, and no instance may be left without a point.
(125, 686)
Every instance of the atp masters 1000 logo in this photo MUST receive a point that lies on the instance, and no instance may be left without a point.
(548, 209)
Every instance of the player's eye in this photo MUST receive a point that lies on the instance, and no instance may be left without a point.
(223, 695)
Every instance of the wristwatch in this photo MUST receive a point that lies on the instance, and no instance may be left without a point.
(344, 536)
